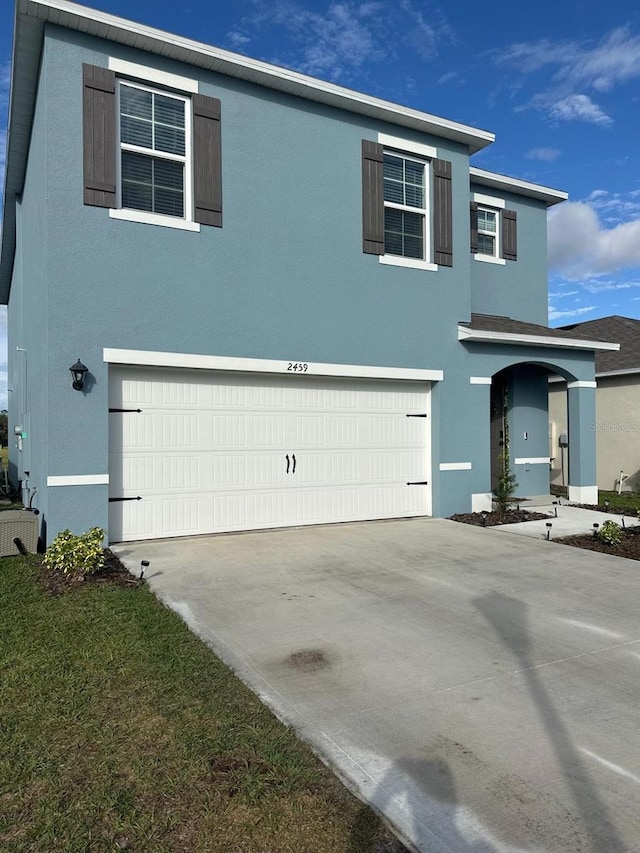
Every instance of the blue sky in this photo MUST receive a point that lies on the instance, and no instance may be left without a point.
(558, 83)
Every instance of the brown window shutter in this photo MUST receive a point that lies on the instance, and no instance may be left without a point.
(509, 235)
(474, 227)
(442, 214)
(99, 135)
(207, 161)
(372, 198)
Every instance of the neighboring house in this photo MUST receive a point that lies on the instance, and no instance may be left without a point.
(616, 424)
(297, 303)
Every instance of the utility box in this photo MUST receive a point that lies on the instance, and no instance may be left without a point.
(21, 524)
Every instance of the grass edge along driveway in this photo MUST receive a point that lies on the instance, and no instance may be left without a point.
(121, 730)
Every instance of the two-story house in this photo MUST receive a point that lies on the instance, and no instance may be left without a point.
(296, 303)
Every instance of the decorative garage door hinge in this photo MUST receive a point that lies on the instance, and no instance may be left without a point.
(419, 483)
(137, 411)
(114, 500)
(416, 416)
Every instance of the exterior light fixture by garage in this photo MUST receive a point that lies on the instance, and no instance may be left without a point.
(78, 371)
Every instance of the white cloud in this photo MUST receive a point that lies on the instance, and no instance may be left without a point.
(554, 314)
(449, 77)
(580, 66)
(547, 155)
(339, 42)
(578, 108)
(580, 247)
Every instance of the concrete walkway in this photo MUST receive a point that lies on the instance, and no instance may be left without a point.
(480, 690)
(570, 521)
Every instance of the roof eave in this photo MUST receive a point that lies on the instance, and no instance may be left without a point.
(517, 186)
(482, 336)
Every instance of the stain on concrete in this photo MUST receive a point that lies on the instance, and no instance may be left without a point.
(308, 660)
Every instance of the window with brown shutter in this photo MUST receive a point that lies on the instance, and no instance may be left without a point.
(151, 153)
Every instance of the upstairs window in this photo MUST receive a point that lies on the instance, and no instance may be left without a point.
(488, 232)
(406, 204)
(155, 156)
(494, 232)
(405, 212)
(151, 146)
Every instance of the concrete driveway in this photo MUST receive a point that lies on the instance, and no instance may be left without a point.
(482, 691)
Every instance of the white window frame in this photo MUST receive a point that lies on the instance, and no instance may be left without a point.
(424, 154)
(174, 86)
(494, 205)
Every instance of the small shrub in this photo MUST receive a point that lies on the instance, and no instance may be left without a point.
(506, 486)
(610, 533)
(76, 554)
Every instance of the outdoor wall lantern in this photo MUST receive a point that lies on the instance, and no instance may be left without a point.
(78, 371)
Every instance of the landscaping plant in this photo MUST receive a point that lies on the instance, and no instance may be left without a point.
(610, 533)
(507, 483)
(81, 554)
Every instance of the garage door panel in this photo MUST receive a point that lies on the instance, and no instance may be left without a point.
(132, 431)
(248, 511)
(208, 452)
(181, 472)
(179, 515)
(265, 430)
(180, 430)
(269, 469)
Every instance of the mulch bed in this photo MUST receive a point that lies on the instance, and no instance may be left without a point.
(511, 516)
(629, 546)
(113, 572)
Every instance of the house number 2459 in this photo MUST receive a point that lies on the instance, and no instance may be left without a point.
(298, 366)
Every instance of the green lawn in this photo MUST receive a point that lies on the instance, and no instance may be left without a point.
(629, 501)
(120, 730)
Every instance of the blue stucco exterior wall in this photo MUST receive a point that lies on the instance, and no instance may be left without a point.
(285, 278)
(28, 323)
(516, 289)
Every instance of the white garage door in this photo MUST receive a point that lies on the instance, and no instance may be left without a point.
(193, 451)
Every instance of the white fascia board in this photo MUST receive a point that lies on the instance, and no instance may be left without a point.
(582, 384)
(517, 186)
(261, 365)
(466, 334)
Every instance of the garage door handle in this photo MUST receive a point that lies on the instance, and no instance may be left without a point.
(293, 456)
(419, 483)
(287, 458)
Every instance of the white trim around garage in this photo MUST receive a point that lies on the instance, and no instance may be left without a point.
(148, 358)
(455, 466)
(79, 480)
